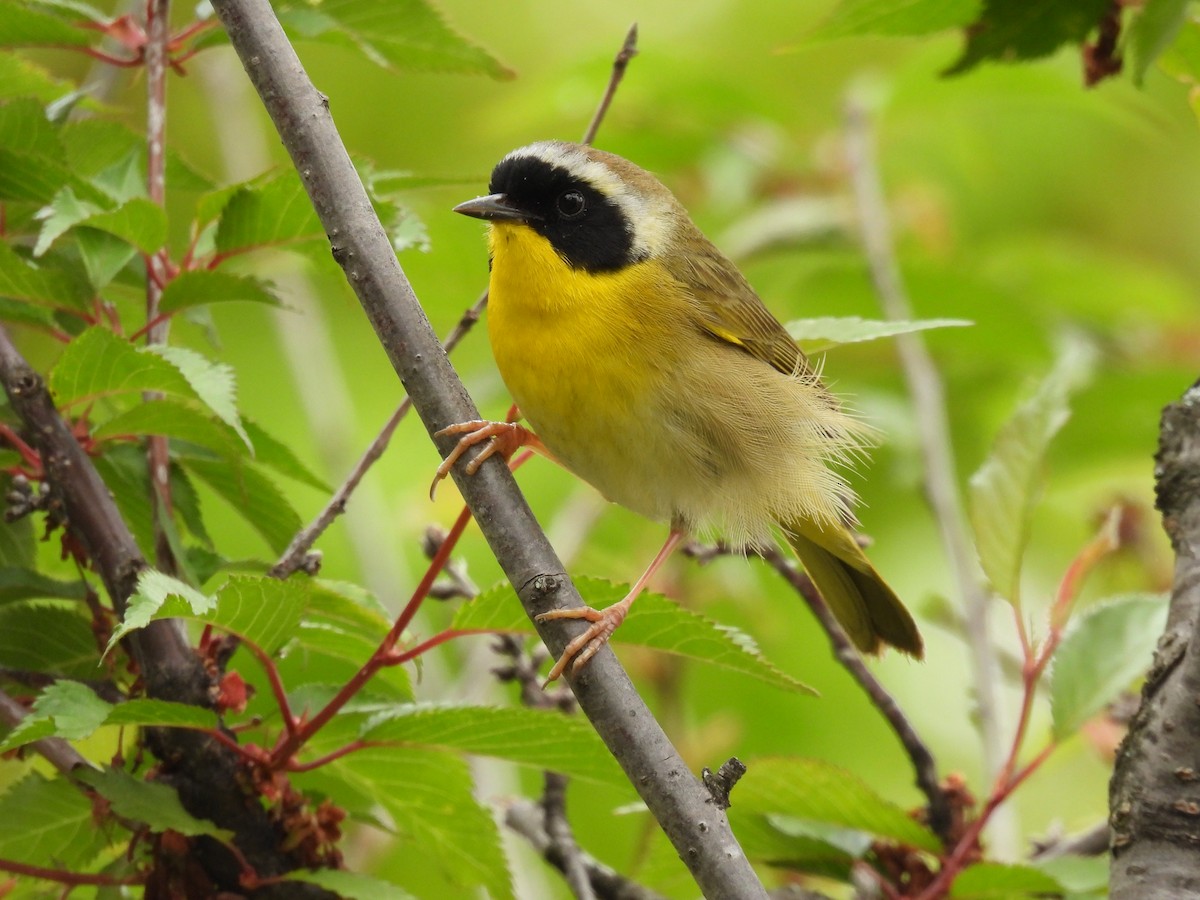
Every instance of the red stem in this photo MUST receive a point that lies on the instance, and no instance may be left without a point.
(352, 747)
(281, 700)
(62, 876)
(283, 753)
(441, 637)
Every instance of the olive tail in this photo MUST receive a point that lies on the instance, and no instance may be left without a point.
(860, 599)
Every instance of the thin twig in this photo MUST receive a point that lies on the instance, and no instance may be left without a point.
(925, 386)
(940, 814)
(562, 838)
(627, 52)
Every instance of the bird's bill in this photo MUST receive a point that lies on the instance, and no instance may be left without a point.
(493, 208)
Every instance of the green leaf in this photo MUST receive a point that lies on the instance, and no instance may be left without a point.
(174, 420)
(71, 710)
(50, 638)
(212, 382)
(1103, 652)
(830, 331)
(264, 214)
(1016, 30)
(27, 584)
(205, 286)
(351, 885)
(46, 284)
(23, 123)
(1003, 493)
(279, 456)
(28, 25)
(103, 256)
(656, 623)
(150, 802)
(145, 712)
(98, 364)
(429, 795)
(252, 495)
(18, 547)
(126, 473)
(24, 78)
(159, 596)
(790, 843)
(821, 792)
(1001, 881)
(99, 148)
(543, 739)
(43, 820)
(1152, 32)
(405, 35)
(896, 17)
(64, 211)
(137, 221)
(263, 610)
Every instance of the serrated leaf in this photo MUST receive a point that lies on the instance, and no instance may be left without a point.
(72, 710)
(889, 17)
(137, 221)
(828, 331)
(252, 495)
(404, 35)
(544, 739)
(352, 885)
(155, 804)
(205, 286)
(1153, 31)
(24, 78)
(263, 610)
(1014, 30)
(1002, 494)
(1103, 652)
(145, 712)
(38, 637)
(43, 820)
(212, 382)
(429, 796)
(98, 363)
(265, 214)
(46, 284)
(153, 600)
(126, 473)
(1002, 881)
(656, 622)
(63, 212)
(174, 420)
(27, 584)
(821, 792)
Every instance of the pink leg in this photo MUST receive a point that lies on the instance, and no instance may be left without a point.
(605, 621)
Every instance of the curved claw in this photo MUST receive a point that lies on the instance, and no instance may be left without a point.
(579, 652)
(504, 438)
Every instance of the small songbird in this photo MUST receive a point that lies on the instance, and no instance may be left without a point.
(647, 365)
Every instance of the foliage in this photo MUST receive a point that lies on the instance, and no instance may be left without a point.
(1011, 248)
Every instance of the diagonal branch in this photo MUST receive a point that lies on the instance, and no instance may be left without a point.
(676, 798)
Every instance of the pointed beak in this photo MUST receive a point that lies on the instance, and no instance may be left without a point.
(494, 208)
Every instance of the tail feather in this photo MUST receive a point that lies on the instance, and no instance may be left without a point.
(860, 599)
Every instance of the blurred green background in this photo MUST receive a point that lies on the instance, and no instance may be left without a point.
(1020, 201)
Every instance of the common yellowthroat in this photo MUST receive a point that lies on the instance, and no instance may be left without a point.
(646, 364)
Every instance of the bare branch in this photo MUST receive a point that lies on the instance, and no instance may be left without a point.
(627, 52)
(940, 813)
(679, 802)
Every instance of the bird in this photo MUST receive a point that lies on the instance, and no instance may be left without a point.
(644, 363)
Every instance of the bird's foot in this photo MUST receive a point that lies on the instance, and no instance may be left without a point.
(505, 438)
(579, 652)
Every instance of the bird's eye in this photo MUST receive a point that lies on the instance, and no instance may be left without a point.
(571, 204)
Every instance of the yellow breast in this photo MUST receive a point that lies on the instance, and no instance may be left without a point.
(585, 357)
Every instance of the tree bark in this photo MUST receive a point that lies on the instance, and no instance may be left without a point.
(1154, 796)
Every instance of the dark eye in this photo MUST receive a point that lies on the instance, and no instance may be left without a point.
(571, 204)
